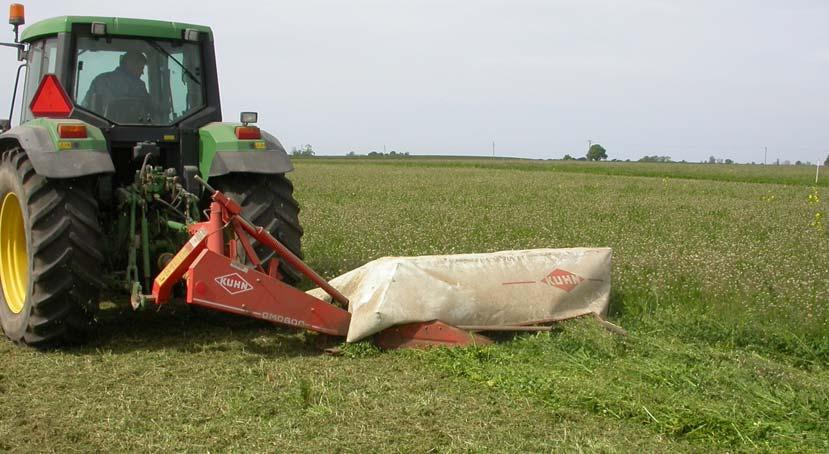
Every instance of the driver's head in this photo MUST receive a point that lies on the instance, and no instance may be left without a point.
(134, 62)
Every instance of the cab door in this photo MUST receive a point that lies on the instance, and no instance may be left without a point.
(41, 60)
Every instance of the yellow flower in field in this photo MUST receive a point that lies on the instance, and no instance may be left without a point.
(817, 222)
(813, 197)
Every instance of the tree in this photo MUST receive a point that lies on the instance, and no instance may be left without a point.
(567, 157)
(729, 161)
(307, 150)
(712, 160)
(596, 153)
(655, 158)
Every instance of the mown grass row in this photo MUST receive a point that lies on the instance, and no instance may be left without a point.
(695, 391)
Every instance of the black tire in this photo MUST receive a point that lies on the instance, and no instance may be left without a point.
(62, 233)
(267, 201)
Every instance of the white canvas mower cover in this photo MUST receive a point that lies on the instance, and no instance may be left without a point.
(475, 291)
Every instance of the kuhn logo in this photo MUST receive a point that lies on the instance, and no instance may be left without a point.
(233, 283)
(562, 279)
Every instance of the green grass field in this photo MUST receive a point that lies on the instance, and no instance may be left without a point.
(720, 276)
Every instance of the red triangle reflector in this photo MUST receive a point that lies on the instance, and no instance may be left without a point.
(50, 99)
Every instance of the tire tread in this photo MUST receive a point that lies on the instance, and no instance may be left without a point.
(65, 253)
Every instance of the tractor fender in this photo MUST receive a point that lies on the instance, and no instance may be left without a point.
(85, 157)
(222, 154)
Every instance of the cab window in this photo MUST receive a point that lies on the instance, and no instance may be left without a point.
(41, 61)
(138, 81)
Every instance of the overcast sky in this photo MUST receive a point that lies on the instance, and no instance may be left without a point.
(687, 79)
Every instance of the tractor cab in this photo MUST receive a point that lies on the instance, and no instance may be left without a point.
(147, 85)
(125, 72)
(178, 66)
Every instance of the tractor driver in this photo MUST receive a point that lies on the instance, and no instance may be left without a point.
(112, 92)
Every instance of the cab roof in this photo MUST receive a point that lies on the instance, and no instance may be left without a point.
(144, 28)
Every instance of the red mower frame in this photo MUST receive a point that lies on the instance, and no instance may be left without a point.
(215, 280)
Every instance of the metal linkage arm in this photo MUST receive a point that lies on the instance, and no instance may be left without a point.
(233, 214)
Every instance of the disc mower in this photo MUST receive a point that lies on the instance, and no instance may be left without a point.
(122, 175)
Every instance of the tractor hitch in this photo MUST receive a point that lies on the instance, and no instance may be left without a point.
(215, 279)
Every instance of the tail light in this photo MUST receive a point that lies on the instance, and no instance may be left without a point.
(248, 133)
(71, 131)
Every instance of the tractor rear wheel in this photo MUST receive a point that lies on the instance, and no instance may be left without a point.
(50, 256)
(267, 201)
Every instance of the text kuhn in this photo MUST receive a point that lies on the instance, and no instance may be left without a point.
(233, 283)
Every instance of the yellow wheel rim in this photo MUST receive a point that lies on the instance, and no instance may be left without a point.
(14, 255)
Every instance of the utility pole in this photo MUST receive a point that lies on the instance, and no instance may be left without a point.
(384, 148)
(493, 148)
(765, 154)
(817, 170)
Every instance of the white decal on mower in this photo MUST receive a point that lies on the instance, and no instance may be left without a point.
(234, 283)
(239, 267)
(198, 237)
(283, 319)
(562, 279)
(558, 278)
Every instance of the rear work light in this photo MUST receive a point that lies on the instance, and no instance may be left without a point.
(248, 117)
(50, 99)
(248, 133)
(71, 131)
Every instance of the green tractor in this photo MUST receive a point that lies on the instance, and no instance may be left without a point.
(120, 119)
